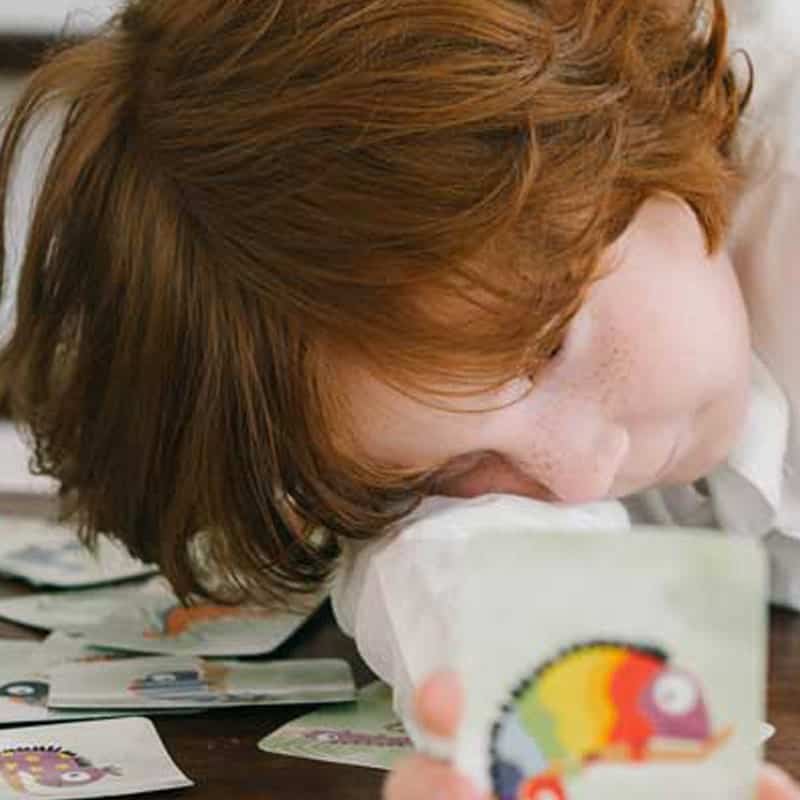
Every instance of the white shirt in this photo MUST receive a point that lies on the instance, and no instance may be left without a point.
(756, 491)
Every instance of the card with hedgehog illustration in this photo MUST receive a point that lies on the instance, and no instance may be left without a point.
(599, 666)
(86, 759)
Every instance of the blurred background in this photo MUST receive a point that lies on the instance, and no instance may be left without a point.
(26, 26)
(48, 17)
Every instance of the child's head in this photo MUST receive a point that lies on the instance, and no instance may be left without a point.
(258, 212)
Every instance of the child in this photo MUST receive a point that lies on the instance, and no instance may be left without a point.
(293, 265)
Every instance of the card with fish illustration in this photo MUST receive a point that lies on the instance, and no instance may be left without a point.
(599, 666)
(365, 733)
(169, 682)
(48, 554)
(68, 610)
(107, 758)
(156, 622)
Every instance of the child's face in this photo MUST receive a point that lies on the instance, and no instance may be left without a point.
(650, 387)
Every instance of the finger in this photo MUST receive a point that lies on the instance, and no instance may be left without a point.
(420, 778)
(775, 784)
(438, 704)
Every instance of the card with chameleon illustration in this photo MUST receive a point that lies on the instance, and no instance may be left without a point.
(154, 621)
(599, 666)
(188, 682)
(45, 553)
(104, 758)
(365, 733)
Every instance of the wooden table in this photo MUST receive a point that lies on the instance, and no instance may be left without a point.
(218, 749)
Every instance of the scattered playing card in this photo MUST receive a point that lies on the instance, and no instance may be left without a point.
(603, 666)
(169, 682)
(25, 684)
(365, 733)
(47, 554)
(15, 652)
(155, 622)
(64, 610)
(86, 759)
(60, 648)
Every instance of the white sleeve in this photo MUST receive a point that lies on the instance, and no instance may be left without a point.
(764, 244)
(398, 597)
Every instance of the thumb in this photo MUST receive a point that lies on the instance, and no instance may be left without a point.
(439, 703)
(775, 784)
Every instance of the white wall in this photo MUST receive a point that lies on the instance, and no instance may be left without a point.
(49, 16)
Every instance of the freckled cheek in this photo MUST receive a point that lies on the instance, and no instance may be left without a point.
(658, 368)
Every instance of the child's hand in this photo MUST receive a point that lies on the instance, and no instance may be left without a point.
(438, 707)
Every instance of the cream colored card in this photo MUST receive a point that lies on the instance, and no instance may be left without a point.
(600, 666)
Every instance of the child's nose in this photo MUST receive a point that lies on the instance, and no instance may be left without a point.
(580, 463)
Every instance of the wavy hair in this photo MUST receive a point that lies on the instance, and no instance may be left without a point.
(241, 188)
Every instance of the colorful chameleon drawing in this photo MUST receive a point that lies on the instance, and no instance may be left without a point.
(597, 702)
(26, 768)
(31, 693)
(178, 620)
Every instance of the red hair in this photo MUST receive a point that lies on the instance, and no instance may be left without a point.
(241, 189)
